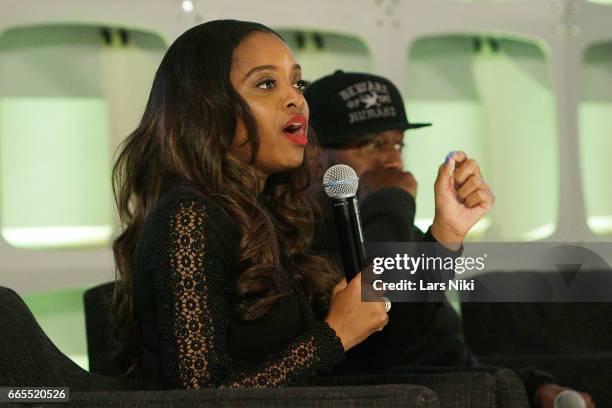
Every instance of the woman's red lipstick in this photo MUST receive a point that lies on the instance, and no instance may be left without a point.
(296, 130)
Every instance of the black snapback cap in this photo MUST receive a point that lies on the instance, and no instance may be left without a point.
(346, 105)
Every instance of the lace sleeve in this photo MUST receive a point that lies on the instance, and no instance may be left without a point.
(193, 316)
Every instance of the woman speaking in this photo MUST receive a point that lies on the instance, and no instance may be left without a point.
(217, 285)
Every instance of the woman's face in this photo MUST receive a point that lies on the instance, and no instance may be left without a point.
(267, 77)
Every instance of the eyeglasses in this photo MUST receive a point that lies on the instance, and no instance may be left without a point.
(377, 145)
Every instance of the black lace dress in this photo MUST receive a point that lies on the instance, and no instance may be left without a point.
(185, 267)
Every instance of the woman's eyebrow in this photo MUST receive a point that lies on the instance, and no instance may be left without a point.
(268, 67)
(259, 68)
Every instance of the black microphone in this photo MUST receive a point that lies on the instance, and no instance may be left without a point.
(340, 183)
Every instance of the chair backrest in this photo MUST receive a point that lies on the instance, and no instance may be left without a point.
(27, 356)
(100, 343)
(542, 328)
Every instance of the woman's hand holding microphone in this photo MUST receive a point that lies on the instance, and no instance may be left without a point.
(352, 319)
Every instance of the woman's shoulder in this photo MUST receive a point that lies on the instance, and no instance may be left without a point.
(180, 194)
(184, 204)
(182, 198)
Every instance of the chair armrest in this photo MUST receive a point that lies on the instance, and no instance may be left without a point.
(377, 396)
(454, 386)
(588, 372)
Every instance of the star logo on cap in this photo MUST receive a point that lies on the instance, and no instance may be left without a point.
(370, 100)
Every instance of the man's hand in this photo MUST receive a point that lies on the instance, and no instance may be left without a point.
(462, 198)
(372, 181)
(546, 394)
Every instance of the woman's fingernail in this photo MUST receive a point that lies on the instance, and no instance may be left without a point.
(450, 156)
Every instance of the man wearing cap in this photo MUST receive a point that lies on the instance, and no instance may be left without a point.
(359, 120)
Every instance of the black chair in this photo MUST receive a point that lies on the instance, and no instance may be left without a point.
(572, 340)
(29, 359)
(100, 345)
(454, 387)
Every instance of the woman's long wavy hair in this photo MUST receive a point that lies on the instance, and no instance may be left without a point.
(183, 138)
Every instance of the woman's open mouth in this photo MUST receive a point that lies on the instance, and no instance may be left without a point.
(296, 130)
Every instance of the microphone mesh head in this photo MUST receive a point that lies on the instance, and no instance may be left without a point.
(340, 181)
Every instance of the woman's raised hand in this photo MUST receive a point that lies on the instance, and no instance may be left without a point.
(352, 319)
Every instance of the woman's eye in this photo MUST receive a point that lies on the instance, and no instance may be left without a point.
(266, 84)
(301, 85)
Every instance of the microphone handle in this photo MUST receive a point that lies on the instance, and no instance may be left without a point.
(350, 234)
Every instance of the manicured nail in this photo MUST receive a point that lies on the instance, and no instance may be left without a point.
(450, 156)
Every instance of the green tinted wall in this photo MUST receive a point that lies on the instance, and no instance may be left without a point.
(595, 136)
(493, 100)
(55, 173)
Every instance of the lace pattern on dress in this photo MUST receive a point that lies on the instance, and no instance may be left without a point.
(193, 317)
